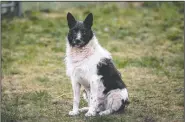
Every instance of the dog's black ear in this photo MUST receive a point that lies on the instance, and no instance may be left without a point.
(71, 20)
(89, 20)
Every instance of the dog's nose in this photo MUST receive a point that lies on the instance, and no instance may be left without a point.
(77, 41)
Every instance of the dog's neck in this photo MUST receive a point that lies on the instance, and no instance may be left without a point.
(77, 55)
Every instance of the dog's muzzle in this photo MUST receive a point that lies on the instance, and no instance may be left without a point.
(77, 43)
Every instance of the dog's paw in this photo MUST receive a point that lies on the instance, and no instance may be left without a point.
(106, 112)
(102, 113)
(84, 109)
(73, 113)
(88, 114)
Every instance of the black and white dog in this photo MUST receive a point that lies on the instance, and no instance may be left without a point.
(89, 65)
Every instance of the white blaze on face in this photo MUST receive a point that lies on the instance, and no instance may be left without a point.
(78, 35)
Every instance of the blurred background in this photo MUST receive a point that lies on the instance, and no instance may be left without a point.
(146, 40)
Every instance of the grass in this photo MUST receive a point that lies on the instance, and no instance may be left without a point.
(146, 44)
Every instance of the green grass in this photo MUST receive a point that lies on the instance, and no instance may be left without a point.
(146, 44)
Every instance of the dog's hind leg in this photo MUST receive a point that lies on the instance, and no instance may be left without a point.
(106, 112)
(114, 103)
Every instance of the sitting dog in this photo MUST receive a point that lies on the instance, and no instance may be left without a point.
(89, 65)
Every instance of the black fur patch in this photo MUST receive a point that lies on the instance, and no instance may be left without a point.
(86, 34)
(111, 77)
(84, 28)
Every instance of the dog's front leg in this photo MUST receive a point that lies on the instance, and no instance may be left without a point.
(93, 97)
(76, 98)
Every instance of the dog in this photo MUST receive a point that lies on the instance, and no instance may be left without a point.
(89, 65)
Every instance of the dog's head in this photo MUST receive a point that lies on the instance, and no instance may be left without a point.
(80, 32)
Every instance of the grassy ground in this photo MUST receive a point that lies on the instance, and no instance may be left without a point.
(147, 47)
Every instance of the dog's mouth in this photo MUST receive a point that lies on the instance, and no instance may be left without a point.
(79, 45)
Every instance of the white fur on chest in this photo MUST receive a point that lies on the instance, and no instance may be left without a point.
(82, 65)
